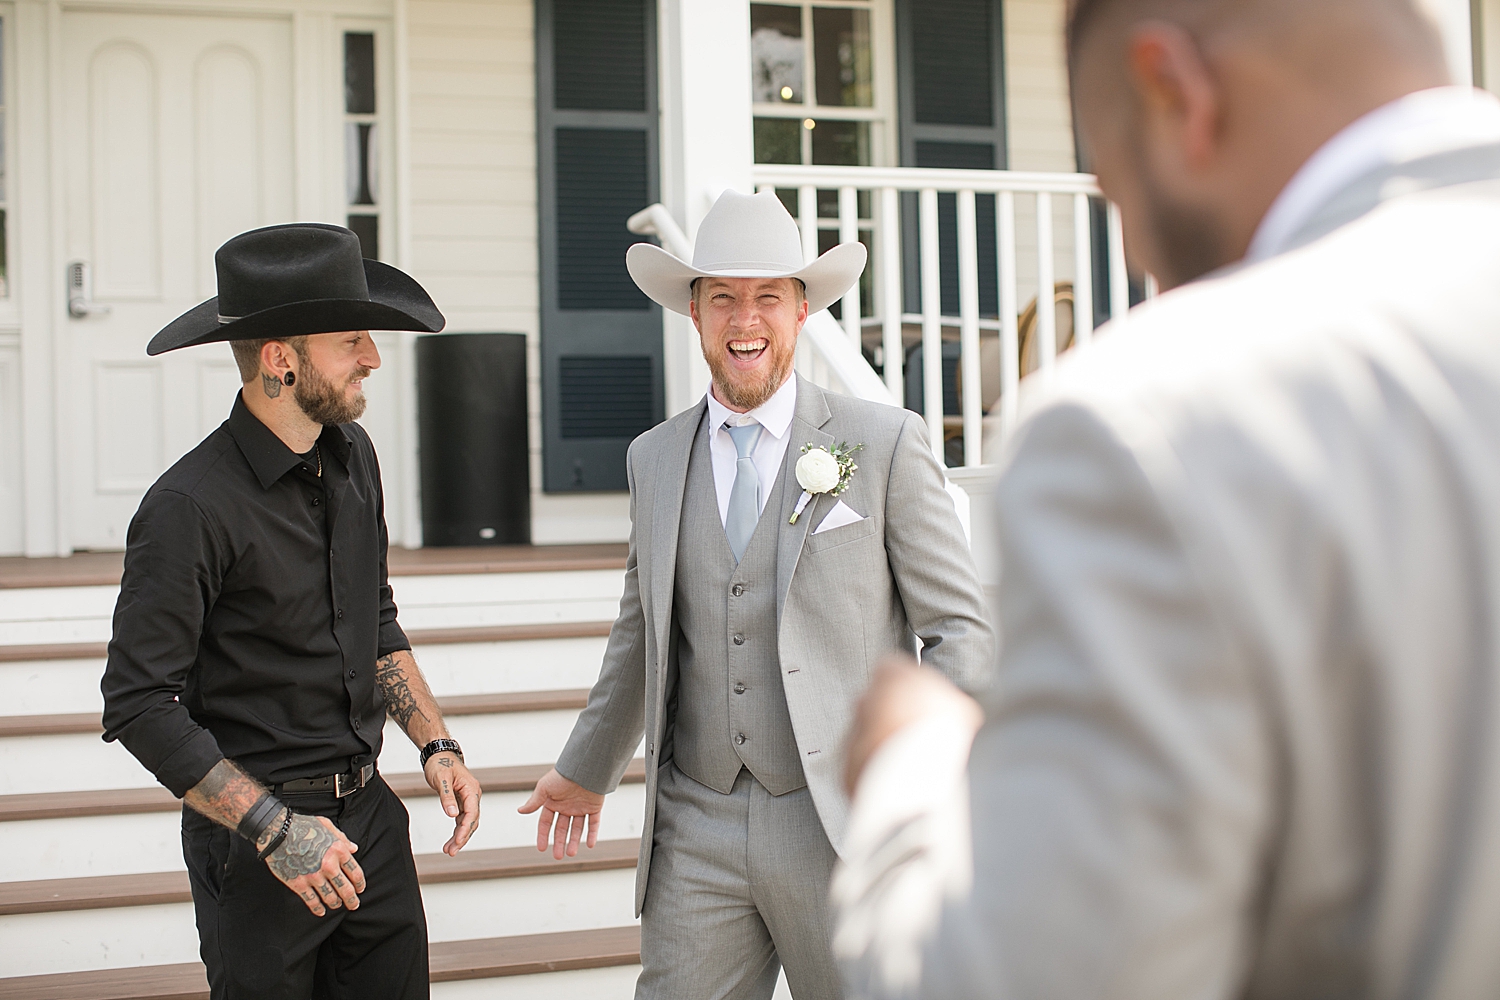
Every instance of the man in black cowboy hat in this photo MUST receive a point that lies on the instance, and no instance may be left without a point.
(256, 651)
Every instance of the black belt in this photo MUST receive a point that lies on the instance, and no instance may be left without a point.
(340, 785)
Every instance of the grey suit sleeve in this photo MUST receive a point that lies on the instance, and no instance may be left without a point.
(610, 727)
(1120, 793)
(932, 567)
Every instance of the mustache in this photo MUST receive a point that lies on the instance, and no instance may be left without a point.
(361, 373)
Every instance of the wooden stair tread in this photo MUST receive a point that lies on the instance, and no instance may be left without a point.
(453, 705)
(92, 569)
(449, 961)
(121, 801)
(17, 653)
(144, 889)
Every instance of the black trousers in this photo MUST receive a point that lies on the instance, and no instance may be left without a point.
(260, 942)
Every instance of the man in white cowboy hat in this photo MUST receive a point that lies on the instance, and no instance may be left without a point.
(784, 539)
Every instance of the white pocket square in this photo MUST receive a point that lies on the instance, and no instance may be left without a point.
(841, 515)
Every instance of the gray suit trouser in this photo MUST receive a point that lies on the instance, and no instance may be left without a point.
(738, 889)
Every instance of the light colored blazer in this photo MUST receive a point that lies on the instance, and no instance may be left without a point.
(844, 597)
(1245, 735)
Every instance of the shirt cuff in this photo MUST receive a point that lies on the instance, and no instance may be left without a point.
(913, 774)
(189, 763)
(392, 640)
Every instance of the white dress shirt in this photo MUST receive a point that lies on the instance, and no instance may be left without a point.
(1425, 123)
(775, 415)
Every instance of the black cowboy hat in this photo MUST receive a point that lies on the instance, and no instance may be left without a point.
(286, 281)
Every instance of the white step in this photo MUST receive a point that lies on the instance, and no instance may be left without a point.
(82, 761)
(152, 842)
(40, 615)
(68, 941)
(615, 983)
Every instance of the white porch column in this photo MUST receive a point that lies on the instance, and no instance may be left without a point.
(1455, 20)
(706, 144)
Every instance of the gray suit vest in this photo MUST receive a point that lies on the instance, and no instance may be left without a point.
(731, 706)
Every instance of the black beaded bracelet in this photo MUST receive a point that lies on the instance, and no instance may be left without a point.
(258, 817)
(276, 841)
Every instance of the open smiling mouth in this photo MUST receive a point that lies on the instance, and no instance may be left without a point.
(748, 350)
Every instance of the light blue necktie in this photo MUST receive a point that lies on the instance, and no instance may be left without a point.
(744, 497)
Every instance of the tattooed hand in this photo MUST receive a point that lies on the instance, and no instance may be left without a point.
(316, 861)
(459, 792)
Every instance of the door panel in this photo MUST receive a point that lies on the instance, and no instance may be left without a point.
(179, 135)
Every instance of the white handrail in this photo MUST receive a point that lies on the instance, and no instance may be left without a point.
(655, 220)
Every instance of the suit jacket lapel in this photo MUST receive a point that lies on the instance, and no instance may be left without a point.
(670, 481)
(806, 428)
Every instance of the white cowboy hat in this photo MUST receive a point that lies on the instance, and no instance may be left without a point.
(745, 236)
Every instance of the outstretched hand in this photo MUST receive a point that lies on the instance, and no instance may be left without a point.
(565, 805)
(316, 861)
(458, 790)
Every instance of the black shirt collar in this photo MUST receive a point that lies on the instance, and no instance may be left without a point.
(268, 455)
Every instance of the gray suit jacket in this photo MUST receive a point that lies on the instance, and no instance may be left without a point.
(1245, 734)
(845, 597)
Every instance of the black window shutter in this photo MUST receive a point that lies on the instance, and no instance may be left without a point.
(601, 339)
(951, 87)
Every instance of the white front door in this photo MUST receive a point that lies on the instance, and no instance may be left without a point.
(178, 134)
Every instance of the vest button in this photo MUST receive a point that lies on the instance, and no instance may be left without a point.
(738, 590)
(739, 688)
(739, 640)
(740, 739)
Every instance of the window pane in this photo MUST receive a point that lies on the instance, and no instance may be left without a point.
(828, 203)
(4, 271)
(778, 140)
(2, 154)
(776, 55)
(359, 73)
(367, 228)
(841, 144)
(841, 57)
(359, 163)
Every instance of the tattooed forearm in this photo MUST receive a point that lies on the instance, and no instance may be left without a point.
(395, 687)
(271, 384)
(302, 851)
(225, 794)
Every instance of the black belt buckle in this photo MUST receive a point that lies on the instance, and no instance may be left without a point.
(352, 781)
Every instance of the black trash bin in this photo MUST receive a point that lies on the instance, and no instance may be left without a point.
(471, 406)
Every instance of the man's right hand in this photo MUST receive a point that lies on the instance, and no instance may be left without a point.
(569, 804)
(316, 861)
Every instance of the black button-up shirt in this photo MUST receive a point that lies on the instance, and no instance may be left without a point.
(253, 607)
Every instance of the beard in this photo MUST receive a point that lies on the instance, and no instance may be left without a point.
(323, 400)
(746, 391)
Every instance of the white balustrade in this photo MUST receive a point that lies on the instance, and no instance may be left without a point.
(833, 352)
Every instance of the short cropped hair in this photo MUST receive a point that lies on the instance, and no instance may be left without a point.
(247, 353)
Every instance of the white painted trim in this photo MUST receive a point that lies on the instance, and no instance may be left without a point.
(62, 388)
(409, 532)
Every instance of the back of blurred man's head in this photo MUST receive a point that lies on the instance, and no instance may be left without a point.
(1196, 113)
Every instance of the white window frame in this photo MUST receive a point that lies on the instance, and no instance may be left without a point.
(884, 149)
(384, 120)
(10, 318)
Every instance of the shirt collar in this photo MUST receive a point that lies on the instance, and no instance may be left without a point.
(775, 414)
(268, 455)
(1422, 124)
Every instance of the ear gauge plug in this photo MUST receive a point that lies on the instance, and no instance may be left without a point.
(291, 378)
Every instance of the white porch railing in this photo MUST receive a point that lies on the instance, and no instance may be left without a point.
(1054, 252)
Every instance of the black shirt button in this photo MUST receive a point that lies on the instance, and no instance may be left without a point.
(738, 688)
(316, 501)
(740, 739)
(356, 725)
(739, 640)
(351, 675)
(341, 612)
(737, 590)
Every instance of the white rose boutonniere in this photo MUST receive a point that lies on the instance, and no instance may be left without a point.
(823, 470)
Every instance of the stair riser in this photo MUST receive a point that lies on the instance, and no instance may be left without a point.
(83, 761)
(83, 614)
(41, 943)
(152, 842)
(58, 687)
(616, 983)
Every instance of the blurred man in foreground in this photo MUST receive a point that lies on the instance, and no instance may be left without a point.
(1243, 737)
